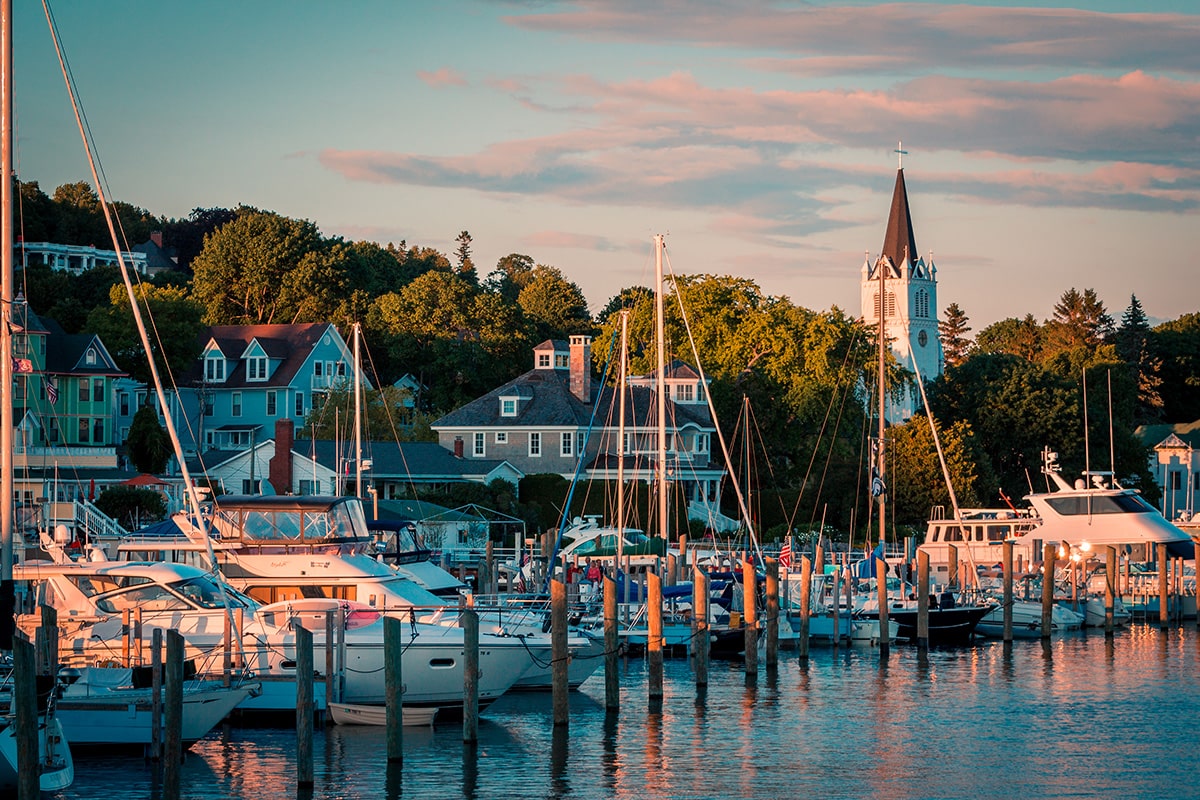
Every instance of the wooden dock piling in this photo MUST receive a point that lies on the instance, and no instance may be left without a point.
(25, 711)
(750, 616)
(1008, 589)
(922, 602)
(654, 635)
(470, 626)
(1110, 589)
(558, 652)
(1049, 554)
(393, 665)
(304, 703)
(173, 715)
(806, 605)
(156, 701)
(700, 641)
(612, 684)
(772, 613)
(881, 573)
(1164, 601)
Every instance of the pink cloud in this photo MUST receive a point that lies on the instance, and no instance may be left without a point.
(442, 78)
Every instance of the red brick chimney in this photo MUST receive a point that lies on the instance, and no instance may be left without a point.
(279, 468)
(581, 367)
(156, 237)
(458, 446)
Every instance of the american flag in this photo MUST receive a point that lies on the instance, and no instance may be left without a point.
(52, 390)
(785, 554)
(22, 365)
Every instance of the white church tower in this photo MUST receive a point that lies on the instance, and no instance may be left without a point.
(910, 306)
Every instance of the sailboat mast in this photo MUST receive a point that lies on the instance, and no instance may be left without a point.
(621, 435)
(7, 591)
(660, 386)
(357, 413)
(882, 391)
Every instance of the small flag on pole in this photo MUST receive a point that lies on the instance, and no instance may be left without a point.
(877, 485)
(22, 365)
(785, 553)
(52, 390)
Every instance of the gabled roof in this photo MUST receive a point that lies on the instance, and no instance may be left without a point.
(419, 460)
(551, 404)
(65, 353)
(290, 344)
(676, 370)
(1166, 436)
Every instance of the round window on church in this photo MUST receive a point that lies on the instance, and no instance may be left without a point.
(922, 338)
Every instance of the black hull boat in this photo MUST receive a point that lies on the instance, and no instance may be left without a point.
(947, 626)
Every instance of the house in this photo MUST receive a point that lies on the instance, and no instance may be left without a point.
(247, 378)
(75, 258)
(1175, 465)
(391, 470)
(553, 420)
(64, 445)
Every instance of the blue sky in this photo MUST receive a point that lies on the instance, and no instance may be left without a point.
(1049, 146)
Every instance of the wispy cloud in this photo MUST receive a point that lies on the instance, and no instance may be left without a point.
(442, 78)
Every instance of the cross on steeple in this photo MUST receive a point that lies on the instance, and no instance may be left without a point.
(901, 154)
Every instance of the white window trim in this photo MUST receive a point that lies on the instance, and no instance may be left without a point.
(479, 445)
(535, 451)
(566, 446)
(504, 409)
(501, 437)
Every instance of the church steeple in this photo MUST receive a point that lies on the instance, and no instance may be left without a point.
(899, 244)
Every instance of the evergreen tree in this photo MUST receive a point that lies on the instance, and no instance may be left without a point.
(466, 267)
(148, 445)
(953, 332)
(1133, 346)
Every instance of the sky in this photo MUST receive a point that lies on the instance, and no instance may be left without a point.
(1048, 146)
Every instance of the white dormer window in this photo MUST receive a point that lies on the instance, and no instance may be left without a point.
(508, 406)
(701, 442)
(90, 357)
(543, 360)
(214, 369)
(685, 392)
(256, 368)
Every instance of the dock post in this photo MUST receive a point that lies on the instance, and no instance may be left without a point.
(654, 635)
(46, 642)
(922, 602)
(612, 684)
(393, 665)
(837, 600)
(1049, 553)
(126, 633)
(470, 626)
(772, 613)
(881, 573)
(1196, 556)
(492, 586)
(805, 605)
(819, 567)
(330, 659)
(1008, 590)
(227, 656)
(137, 637)
(304, 704)
(558, 653)
(700, 615)
(156, 686)
(24, 706)
(681, 564)
(1164, 617)
(1110, 589)
(173, 715)
(750, 616)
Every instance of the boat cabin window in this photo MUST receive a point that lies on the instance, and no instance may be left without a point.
(998, 533)
(92, 585)
(340, 521)
(1103, 504)
(952, 533)
(147, 598)
(274, 594)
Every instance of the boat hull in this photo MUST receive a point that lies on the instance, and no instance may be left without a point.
(947, 626)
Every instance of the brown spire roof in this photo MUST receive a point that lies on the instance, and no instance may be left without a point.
(898, 242)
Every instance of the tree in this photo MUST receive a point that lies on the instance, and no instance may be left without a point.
(953, 332)
(554, 304)
(1177, 345)
(186, 236)
(244, 273)
(466, 267)
(916, 482)
(1016, 337)
(1132, 341)
(510, 276)
(384, 418)
(132, 506)
(1080, 320)
(173, 323)
(148, 444)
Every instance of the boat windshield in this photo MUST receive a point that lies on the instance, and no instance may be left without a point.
(1080, 505)
(183, 595)
(341, 521)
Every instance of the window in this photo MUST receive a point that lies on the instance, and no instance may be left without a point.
(98, 389)
(246, 487)
(310, 487)
(272, 404)
(84, 429)
(235, 401)
(256, 368)
(98, 430)
(625, 443)
(535, 445)
(480, 448)
(701, 442)
(318, 368)
(84, 390)
(543, 360)
(208, 438)
(891, 304)
(685, 392)
(214, 369)
(299, 404)
(561, 361)
(341, 369)
(123, 400)
(567, 446)
(208, 405)
(508, 406)
(90, 357)
(501, 437)
(1176, 480)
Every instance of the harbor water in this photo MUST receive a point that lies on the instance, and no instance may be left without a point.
(1079, 716)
